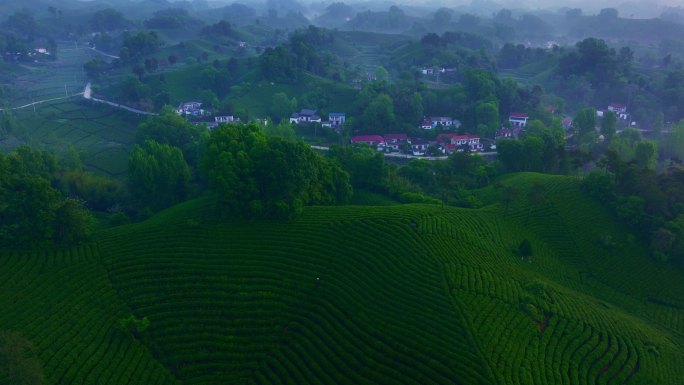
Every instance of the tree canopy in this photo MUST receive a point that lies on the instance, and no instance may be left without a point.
(253, 175)
(158, 175)
(33, 213)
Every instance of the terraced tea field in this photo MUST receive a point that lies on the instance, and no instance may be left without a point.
(410, 294)
(103, 134)
(49, 80)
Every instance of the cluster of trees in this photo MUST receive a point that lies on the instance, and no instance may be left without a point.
(472, 41)
(221, 29)
(158, 175)
(170, 18)
(21, 24)
(394, 19)
(95, 68)
(304, 52)
(139, 45)
(453, 180)
(33, 210)
(163, 166)
(253, 175)
(149, 95)
(480, 104)
(652, 203)
(540, 149)
(595, 61)
(420, 181)
(515, 55)
(107, 20)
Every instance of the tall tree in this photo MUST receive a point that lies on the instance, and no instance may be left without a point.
(158, 175)
(646, 154)
(608, 124)
(378, 116)
(585, 121)
(170, 128)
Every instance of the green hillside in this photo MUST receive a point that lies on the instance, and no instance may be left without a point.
(410, 294)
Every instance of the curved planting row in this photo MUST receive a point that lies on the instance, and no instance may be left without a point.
(355, 299)
(62, 302)
(566, 338)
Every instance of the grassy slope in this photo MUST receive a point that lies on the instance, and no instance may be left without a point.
(407, 294)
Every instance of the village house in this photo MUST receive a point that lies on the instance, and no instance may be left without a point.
(335, 120)
(503, 133)
(214, 121)
(396, 142)
(426, 125)
(305, 116)
(619, 110)
(419, 146)
(518, 119)
(432, 70)
(192, 108)
(446, 122)
(453, 142)
(372, 140)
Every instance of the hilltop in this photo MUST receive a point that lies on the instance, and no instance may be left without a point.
(409, 294)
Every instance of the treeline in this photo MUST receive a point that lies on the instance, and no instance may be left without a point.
(253, 175)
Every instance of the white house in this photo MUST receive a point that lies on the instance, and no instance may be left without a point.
(193, 108)
(305, 116)
(619, 109)
(518, 119)
(445, 121)
(225, 119)
(419, 146)
(396, 142)
(337, 118)
(457, 142)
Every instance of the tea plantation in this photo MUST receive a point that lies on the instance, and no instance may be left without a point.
(397, 294)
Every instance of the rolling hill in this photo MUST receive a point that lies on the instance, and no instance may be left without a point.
(410, 294)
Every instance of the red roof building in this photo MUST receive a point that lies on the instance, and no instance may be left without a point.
(395, 138)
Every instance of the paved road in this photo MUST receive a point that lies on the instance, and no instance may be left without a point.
(87, 93)
(41, 101)
(406, 156)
